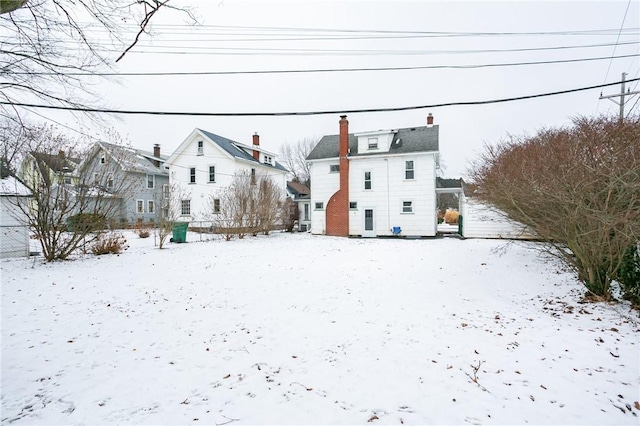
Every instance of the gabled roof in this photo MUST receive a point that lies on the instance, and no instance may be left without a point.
(55, 162)
(10, 185)
(298, 189)
(231, 147)
(411, 139)
(131, 159)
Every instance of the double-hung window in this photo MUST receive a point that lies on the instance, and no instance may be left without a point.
(407, 207)
(216, 205)
(367, 180)
(212, 173)
(408, 169)
(140, 206)
(151, 183)
(192, 175)
(185, 207)
(151, 206)
(200, 148)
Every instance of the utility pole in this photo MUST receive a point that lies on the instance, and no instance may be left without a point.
(622, 95)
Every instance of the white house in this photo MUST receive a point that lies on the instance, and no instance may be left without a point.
(300, 195)
(376, 183)
(205, 163)
(14, 225)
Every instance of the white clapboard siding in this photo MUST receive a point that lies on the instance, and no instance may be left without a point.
(483, 221)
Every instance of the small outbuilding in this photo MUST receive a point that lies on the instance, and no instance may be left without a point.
(14, 224)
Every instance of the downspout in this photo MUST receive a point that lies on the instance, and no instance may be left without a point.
(388, 205)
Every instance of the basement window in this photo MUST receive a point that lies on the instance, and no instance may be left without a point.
(185, 207)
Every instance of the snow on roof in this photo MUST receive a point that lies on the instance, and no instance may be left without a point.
(12, 186)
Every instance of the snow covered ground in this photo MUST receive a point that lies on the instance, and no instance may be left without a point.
(301, 329)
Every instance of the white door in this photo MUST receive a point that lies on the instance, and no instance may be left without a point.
(369, 229)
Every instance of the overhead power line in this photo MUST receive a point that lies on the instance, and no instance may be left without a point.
(307, 113)
(236, 28)
(326, 70)
(236, 51)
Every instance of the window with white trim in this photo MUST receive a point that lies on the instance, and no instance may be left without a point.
(407, 207)
(140, 206)
(151, 181)
(216, 205)
(165, 190)
(367, 180)
(192, 175)
(212, 173)
(373, 143)
(319, 206)
(353, 205)
(408, 169)
(185, 207)
(200, 148)
(151, 206)
(110, 180)
(306, 211)
(334, 168)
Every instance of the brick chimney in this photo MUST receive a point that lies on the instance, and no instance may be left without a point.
(337, 212)
(156, 153)
(430, 120)
(256, 143)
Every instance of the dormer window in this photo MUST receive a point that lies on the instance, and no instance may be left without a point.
(200, 148)
(373, 143)
(103, 158)
(268, 160)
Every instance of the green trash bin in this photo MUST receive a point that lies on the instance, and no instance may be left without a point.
(180, 232)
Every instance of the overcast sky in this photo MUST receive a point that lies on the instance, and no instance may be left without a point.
(299, 35)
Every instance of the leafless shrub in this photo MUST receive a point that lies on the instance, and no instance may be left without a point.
(576, 188)
(249, 205)
(109, 243)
